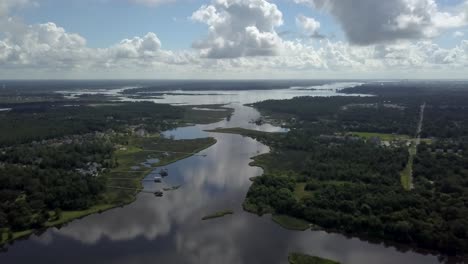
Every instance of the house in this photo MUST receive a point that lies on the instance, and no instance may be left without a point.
(375, 140)
(141, 132)
(386, 143)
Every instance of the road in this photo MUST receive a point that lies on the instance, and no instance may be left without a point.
(419, 128)
(414, 149)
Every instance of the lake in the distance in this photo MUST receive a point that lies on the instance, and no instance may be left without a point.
(170, 230)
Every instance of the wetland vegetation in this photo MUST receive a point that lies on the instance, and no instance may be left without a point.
(218, 214)
(298, 258)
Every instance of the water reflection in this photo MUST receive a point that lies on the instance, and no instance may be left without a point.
(170, 229)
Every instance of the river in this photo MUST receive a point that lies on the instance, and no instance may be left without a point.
(170, 230)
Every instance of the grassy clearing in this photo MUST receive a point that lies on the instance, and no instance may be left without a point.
(218, 214)
(407, 174)
(300, 192)
(382, 136)
(290, 222)
(298, 258)
(427, 140)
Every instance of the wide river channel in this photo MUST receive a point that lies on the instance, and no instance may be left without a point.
(169, 229)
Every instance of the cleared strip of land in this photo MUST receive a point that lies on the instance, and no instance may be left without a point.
(407, 173)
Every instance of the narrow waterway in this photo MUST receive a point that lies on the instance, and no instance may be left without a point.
(170, 230)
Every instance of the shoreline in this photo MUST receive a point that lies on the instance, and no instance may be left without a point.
(400, 247)
(69, 216)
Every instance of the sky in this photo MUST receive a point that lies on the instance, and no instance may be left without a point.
(233, 39)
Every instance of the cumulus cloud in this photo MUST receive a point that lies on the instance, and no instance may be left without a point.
(40, 45)
(147, 46)
(309, 25)
(48, 46)
(341, 57)
(239, 28)
(368, 22)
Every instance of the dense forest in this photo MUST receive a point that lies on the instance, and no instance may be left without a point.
(40, 180)
(38, 121)
(366, 114)
(319, 173)
(446, 111)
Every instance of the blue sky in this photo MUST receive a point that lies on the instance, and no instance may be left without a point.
(352, 37)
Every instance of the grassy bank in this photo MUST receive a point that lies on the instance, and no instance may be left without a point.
(290, 222)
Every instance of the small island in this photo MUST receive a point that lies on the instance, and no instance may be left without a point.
(218, 214)
(172, 188)
(298, 258)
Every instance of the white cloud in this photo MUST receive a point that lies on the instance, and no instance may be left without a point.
(336, 59)
(148, 46)
(48, 46)
(239, 28)
(308, 24)
(41, 45)
(368, 22)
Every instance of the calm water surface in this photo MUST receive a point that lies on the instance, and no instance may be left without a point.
(170, 230)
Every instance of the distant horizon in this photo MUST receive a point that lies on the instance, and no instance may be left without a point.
(228, 80)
